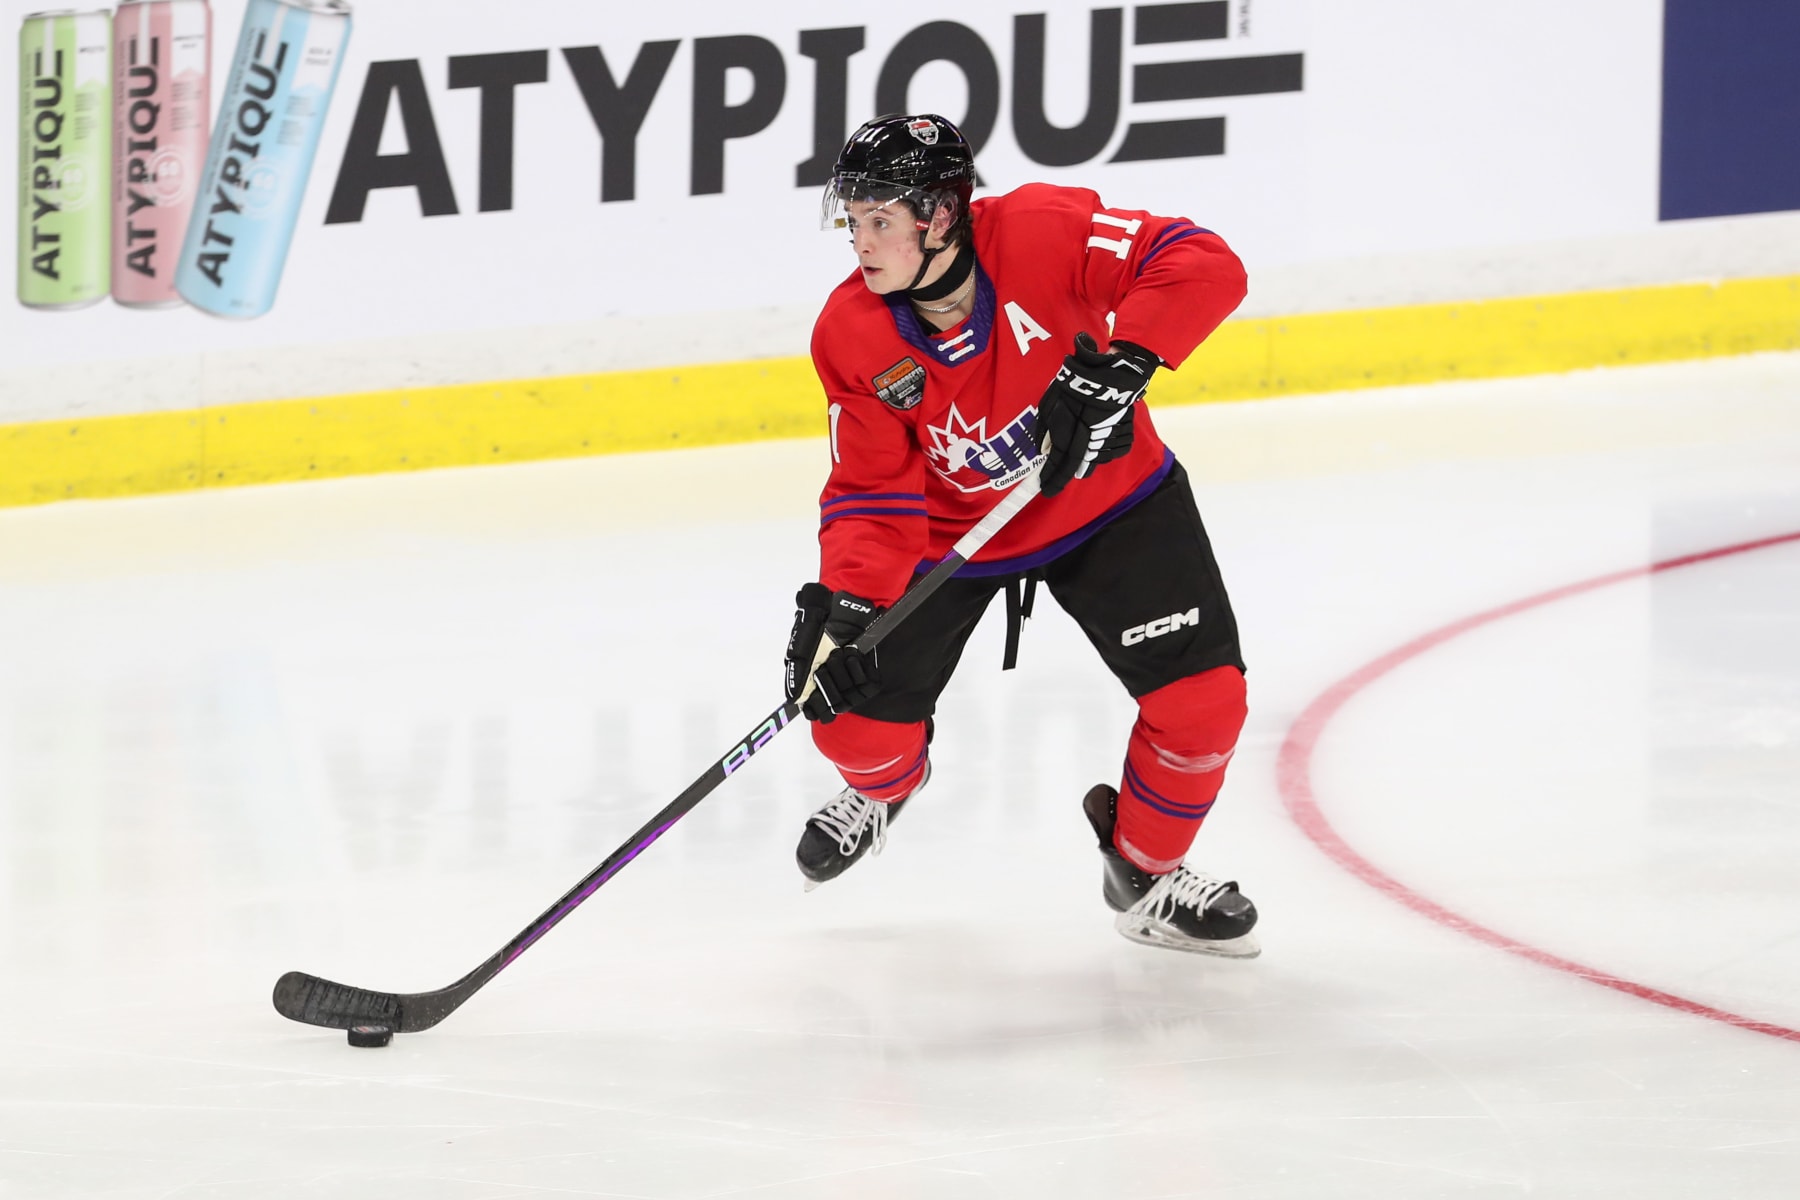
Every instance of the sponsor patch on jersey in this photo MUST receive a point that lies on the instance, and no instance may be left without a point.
(924, 130)
(902, 385)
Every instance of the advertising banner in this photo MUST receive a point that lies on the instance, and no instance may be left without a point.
(228, 200)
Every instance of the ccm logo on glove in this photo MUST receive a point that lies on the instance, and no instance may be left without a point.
(1160, 626)
(1084, 419)
(1098, 389)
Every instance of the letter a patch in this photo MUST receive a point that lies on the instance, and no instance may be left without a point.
(1025, 329)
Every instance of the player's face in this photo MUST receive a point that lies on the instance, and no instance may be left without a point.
(886, 238)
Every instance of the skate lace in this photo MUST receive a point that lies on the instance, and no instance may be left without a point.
(1180, 888)
(846, 817)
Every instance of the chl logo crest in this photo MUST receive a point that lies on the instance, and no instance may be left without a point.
(924, 130)
(971, 461)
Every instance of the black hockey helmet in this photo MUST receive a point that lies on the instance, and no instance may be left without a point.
(923, 160)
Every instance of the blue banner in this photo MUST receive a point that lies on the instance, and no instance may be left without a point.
(1731, 107)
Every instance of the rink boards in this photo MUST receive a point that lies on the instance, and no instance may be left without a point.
(461, 425)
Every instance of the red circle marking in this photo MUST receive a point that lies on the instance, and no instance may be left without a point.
(1293, 771)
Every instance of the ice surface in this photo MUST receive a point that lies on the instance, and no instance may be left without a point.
(370, 728)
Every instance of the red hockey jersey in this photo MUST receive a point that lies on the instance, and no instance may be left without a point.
(928, 429)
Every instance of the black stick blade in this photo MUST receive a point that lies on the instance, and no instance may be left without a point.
(314, 1001)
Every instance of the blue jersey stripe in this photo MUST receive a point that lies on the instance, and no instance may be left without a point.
(829, 517)
(857, 496)
(1168, 232)
(1191, 231)
(1066, 543)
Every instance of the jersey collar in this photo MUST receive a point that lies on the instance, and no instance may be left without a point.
(958, 347)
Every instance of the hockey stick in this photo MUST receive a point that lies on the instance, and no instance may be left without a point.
(315, 1001)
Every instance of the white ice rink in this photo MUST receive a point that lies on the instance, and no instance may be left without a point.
(371, 728)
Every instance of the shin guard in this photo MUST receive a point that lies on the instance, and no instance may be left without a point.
(1175, 764)
(882, 760)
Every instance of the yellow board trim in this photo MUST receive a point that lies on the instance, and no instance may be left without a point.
(462, 425)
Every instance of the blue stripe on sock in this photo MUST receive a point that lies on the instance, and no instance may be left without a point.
(1160, 802)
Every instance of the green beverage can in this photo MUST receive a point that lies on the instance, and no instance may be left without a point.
(65, 158)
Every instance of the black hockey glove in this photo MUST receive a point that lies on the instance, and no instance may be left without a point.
(1086, 411)
(819, 651)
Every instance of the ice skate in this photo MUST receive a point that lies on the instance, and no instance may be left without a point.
(844, 830)
(1183, 910)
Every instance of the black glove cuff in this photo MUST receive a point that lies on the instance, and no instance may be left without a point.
(812, 607)
(1140, 358)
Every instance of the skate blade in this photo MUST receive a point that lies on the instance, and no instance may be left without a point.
(1160, 936)
(807, 885)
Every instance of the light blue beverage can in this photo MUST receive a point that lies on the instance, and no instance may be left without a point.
(271, 113)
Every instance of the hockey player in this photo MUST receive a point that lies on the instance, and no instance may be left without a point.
(969, 332)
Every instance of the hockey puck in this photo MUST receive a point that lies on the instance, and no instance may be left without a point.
(370, 1035)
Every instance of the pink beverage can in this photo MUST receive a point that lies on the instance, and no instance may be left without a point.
(162, 104)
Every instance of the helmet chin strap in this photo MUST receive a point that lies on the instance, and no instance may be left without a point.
(925, 263)
(953, 278)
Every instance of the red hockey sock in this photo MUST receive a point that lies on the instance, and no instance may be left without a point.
(1175, 764)
(881, 759)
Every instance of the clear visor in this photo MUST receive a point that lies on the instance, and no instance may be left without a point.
(878, 206)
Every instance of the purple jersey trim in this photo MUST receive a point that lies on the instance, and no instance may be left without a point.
(919, 496)
(1066, 543)
(1164, 243)
(929, 342)
(1170, 230)
(829, 517)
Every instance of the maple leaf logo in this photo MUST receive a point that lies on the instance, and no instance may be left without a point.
(958, 444)
(971, 461)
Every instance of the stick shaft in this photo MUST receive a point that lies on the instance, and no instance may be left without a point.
(315, 1001)
(966, 548)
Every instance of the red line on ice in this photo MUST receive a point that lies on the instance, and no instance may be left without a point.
(1294, 775)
